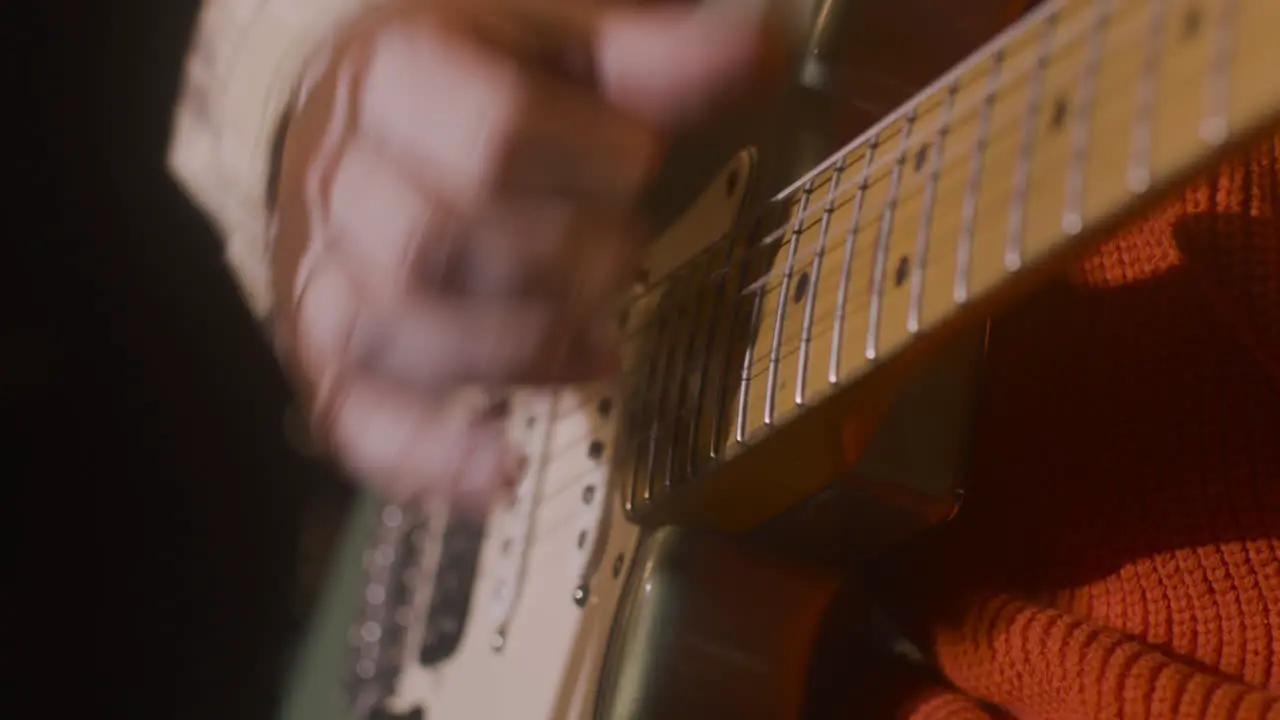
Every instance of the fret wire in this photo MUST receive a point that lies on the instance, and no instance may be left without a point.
(693, 295)
(841, 190)
(1073, 204)
(1139, 171)
(1059, 173)
(946, 160)
(722, 387)
(655, 421)
(784, 290)
(926, 219)
(1213, 129)
(969, 210)
(1110, 126)
(882, 242)
(1022, 170)
(651, 436)
(626, 457)
(783, 230)
(842, 290)
(1069, 31)
(995, 82)
(791, 348)
(815, 273)
(638, 418)
(1081, 26)
(720, 292)
(1014, 30)
(677, 293)
(1045, 11)
(744, 389)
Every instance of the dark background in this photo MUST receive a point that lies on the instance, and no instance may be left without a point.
(153, 547)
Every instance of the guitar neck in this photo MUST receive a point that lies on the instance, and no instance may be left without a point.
(1079, 116)
(1049, 136)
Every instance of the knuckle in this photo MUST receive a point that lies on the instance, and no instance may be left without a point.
(379, 217)
(347, 441)
(496, 141)
(325, 316)
(543, 343)
(604, 267)
(515, 347)
(491, 463)
(640, 155)
(430, 73)
(403, 67)
(393, 45)
(348, 199)
(437, 257)
(367, 436)
(388, 60)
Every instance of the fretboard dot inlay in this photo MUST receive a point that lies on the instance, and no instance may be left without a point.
(802, 287)
(902, 271)
(595, 450)
(604, 406)
(922, 157)
(1059, 116)
(588, 494)
(1191, 23)
(927, 221)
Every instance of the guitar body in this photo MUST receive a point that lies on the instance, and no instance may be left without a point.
(574, 610)
(798, 377)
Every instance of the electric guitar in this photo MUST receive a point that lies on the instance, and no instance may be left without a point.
(677, 536)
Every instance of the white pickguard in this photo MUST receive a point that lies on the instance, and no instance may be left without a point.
(529, 650)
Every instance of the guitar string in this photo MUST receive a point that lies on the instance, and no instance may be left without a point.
(543, 533)
(792, 345)
(1115, 32)
(542, 540)
(530, 516)
(861, 249)
(1063, 38)
(1117, 28)
(787, 349)
(538, 537)
(790, 348)
(875, 177)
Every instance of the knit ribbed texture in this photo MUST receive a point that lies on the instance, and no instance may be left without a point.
(1118, 555)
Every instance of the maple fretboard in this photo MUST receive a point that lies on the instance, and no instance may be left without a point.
(1079, 116)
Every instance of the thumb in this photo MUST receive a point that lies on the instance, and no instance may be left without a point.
(669, 65)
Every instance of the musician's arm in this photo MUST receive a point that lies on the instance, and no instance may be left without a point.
(242, 69)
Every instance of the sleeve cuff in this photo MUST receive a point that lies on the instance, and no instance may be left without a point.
(242, 71)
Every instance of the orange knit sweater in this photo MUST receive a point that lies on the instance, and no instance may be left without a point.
(1118, 555)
